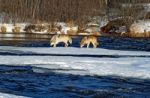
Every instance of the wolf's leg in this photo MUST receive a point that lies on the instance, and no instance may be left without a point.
(88, 44)
(66, 44)
(54, 45)
(81, 46)
(95, 45)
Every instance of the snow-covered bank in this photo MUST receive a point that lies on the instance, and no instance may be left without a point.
(9, 29)
(11, 26)
(137, 67)
(141, 26)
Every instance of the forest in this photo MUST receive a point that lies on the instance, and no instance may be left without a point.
(50, 10)
(76, 10)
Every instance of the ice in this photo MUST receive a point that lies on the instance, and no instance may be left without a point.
(137, 67)
(72, 50)
(3, 95)
(127, 67)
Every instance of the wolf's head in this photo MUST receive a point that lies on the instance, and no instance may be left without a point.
(83, 42)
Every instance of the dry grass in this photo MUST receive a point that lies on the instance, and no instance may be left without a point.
(3, 29)
(16, 29)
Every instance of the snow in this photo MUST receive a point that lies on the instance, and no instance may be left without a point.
(10, 26)
(44, 32)
(3, 95)
(65, 29)
(140, 26)
(122, 29)
(137, 67)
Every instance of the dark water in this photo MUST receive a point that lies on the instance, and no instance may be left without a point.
(25, 81)
(136, 44)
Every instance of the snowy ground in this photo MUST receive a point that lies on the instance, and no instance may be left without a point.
(140, 26)
(100, 62)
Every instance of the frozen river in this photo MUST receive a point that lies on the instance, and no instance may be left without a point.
(36, 70)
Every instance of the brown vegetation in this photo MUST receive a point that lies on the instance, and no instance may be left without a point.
(3, 29)
(136, 34)
(16, 29)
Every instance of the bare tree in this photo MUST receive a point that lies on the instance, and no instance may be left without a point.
(49, 10)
